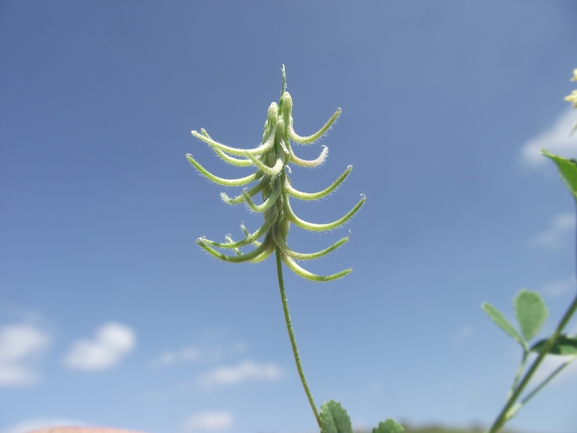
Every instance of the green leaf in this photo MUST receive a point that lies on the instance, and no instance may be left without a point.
(334, 418)
(567, 170)
(564, 345)
(531, 312)
(389, 426)
(500, 320)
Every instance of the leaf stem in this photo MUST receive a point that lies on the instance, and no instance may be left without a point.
(542, 385)
(519, 372)
(510, 408)
(291, 334)
(507, 413)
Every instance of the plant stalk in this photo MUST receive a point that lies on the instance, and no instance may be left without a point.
(519, 372)
(545, 382)
(508, 411)
(291, 334)
(505, 414)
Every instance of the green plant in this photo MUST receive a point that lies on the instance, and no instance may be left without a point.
(531, 313)
(271, 179)
(271, 160)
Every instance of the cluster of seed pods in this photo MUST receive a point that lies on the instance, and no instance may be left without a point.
(271, 161)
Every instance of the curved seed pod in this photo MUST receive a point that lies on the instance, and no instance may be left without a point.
(250, 237)
(287, 108)
(301, 272)
(317, 195)
(313, 227)
(270, 201)
(221, 180)
(251, 192)
(266, 145)
(306, 256)
(271, 173)
(238, 258)
(310, 163)
(245, 231)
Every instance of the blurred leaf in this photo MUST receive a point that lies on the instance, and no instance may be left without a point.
(334, 418)
(389, 426)
(564, 345)
(567, 169)
(497, 317)
(531, 312)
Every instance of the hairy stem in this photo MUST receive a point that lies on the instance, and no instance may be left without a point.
(291, 334)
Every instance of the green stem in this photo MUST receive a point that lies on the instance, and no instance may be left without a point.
(519, 372)
(511, 408)
(291, 334)
(506, 413)
(542, 385)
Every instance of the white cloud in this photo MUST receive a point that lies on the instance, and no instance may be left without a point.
(561, 226)
(243, 372)
(209, 421)
(20, 346)
(112, 342)
(197, 354)
(464, 334)
(559, 287)
(556, 139)
(35, 424)
(186, 354)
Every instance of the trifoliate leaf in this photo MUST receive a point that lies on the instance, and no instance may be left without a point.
(389, 426)
(334, 418)
(564, 345)
(567, 170)
(500, 320)
(531, 312)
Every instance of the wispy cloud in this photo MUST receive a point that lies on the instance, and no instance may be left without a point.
(561, 227)
(197, 354)
(465, 333)
(243, 372)
(112, 342)
(559, 287)
(186, 354)
(556, 139)
(209, 421)
(40, 423)
(20, 347)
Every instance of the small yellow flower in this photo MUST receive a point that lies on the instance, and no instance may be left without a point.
(572, 98)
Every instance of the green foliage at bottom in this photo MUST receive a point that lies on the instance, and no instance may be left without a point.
(334, 418)
(443, 429)
(389, 426)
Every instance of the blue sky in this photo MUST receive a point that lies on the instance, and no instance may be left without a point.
(110, 314)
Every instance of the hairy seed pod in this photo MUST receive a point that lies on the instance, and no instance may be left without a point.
(271, 160)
